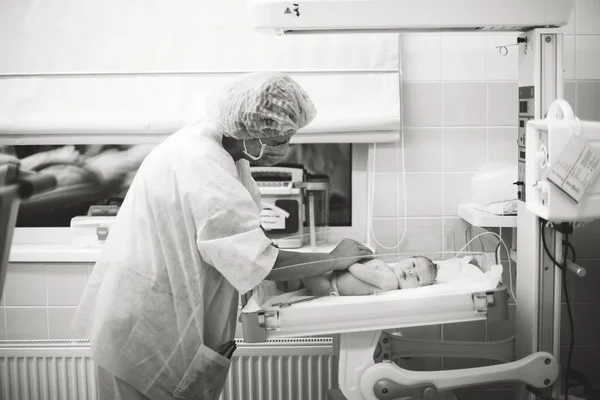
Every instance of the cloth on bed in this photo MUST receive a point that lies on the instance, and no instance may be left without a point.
(452, 273)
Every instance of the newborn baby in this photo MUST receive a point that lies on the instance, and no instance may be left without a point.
(374, 276)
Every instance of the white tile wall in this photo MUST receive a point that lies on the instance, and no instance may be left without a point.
(423, 194)
(502, 107)
(465, 148)
(454, 233)
(25, 285)
(26, 323)
(2, 324)
(587, 13)
(502, 66)
(456, 191)
(385, 234)
(464, 58)
(423, 149)
(59, 323)
(569, 56)
(422, 58)
(41, 300)
(422, 104)
(416, 235)
(588, 99)
(571, 94)
(422, 152)
(587, 53)
(65, 284)
(388, 156)
(465, 104)
(501, 144)
(460, 95)
(385, 203)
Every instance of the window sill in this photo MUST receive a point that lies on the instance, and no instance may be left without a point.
(65, 253)
(53, 253)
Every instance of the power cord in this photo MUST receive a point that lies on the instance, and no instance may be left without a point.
(538, 393)
(589, 390)
(568, 247)
(563, 267)
(496, 252)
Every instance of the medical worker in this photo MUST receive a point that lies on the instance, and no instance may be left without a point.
(163, 297)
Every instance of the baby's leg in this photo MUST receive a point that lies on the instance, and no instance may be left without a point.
(318, 285)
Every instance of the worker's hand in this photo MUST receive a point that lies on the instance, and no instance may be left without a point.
(349, 252)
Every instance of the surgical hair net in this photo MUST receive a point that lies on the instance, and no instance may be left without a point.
(262, 105)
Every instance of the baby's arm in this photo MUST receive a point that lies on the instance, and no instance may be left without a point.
(376, 273)
(349, 285)
(360, 279)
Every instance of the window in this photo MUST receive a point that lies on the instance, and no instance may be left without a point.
(101, 174)
(333, 160)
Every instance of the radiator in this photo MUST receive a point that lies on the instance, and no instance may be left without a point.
(46, 370)
(291, 369)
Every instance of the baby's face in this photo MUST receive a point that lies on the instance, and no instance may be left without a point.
(414, 272)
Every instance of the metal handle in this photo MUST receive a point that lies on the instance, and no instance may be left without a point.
(576, 269)
(387, 389)
(264, 318)
(564, 107)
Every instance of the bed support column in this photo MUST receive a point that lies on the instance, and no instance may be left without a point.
(538, 283)
(356, 355)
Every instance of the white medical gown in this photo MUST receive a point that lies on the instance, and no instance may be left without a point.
(164, 294)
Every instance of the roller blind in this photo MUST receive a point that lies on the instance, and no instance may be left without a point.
(135, 71)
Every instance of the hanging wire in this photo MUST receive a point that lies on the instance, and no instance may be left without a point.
(503, 50)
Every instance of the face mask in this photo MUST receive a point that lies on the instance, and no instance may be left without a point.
(273, 154)
(269, 155)
(260, 155)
